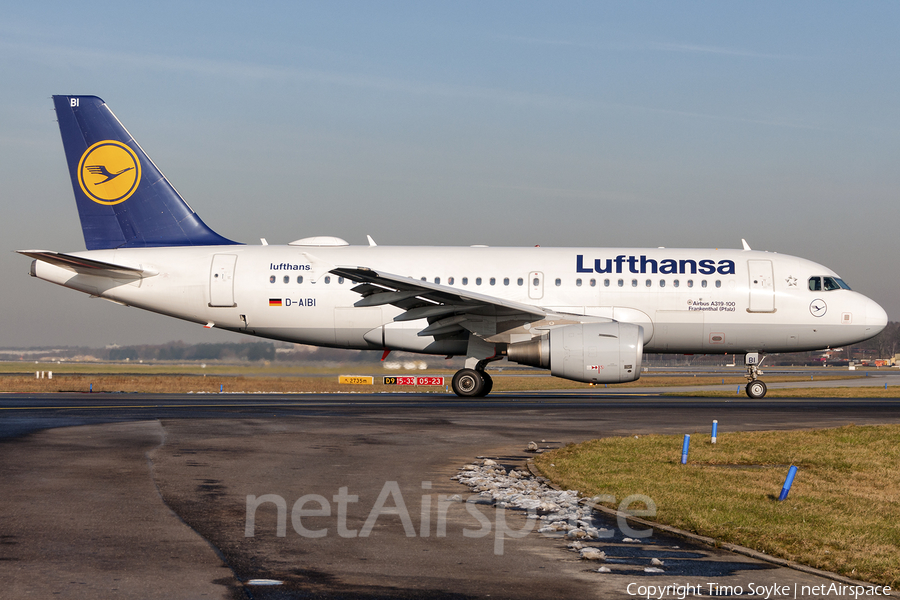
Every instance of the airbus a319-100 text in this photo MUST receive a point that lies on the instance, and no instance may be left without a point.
(586, 314)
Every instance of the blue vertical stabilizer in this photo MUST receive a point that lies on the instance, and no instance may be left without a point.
(123, 200)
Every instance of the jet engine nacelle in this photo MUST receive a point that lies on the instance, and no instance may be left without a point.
(589, 352)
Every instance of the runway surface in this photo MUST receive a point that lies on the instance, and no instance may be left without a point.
(135, 496)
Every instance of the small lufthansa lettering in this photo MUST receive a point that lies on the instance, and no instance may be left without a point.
(288, 267)
(642, 264)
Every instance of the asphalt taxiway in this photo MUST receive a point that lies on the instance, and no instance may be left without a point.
(137, 496)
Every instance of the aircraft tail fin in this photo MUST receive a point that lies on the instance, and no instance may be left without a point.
(123, 199)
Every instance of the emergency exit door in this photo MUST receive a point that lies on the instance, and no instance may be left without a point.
(535, 285)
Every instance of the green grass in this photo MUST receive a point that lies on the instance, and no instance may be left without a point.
(842, 514)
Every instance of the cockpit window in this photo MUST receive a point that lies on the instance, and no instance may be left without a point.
(817, 284)
(830, 284)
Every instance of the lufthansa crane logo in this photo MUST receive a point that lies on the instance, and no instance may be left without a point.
(109, 172)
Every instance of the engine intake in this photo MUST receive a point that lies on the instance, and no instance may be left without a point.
(589, 352)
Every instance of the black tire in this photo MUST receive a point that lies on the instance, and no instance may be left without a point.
(756, 389)
(488, 384)
(468, 383)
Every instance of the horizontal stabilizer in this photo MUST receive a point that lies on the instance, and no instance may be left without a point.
(86, 265)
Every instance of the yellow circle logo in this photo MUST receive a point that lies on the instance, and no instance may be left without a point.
(109, 172)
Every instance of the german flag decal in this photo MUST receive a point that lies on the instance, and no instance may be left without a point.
(274, 301)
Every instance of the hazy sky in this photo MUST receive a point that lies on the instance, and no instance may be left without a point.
(457, 123)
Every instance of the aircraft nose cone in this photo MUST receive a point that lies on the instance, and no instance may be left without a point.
(876, 317)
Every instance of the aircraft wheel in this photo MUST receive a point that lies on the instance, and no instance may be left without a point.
(468, 383)
(756, 389)
(488, 384)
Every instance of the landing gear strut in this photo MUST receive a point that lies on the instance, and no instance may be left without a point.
(756, 389)
(472, 383)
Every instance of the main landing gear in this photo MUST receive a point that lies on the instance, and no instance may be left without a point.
(472, 383)
(756, 389)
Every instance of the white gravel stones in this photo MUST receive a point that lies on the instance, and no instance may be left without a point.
(557, 512)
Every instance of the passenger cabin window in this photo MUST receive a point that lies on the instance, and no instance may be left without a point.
(478, 281)
(328, 279)
(287, 279)
(299, 278)
(703, 283)
(558, 282)
(662, 283)
(465, 281)
(520, 281)
(506, 281)
(634, 283)
(621, 282)
(341, 280)
(493, 280)
(648, 283)
(578, 282)
(449, 281)
(272, 279)
(593, 282)
(437, 280)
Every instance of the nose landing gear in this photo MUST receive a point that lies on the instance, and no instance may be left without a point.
(756, 389)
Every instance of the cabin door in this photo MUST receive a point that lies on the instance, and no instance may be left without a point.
(221, 280)
(762, 286)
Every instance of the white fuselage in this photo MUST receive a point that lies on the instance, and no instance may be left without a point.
(686, 300)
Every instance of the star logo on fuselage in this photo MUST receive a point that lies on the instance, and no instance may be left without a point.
(791, 281)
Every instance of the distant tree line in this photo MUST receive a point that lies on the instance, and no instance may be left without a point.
(191, 352)
(234, 352)
(885, 345)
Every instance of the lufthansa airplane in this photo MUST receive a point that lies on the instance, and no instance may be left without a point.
(586, 314)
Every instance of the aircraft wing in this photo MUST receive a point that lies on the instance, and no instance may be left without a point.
(447, 309)
(87, 266)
